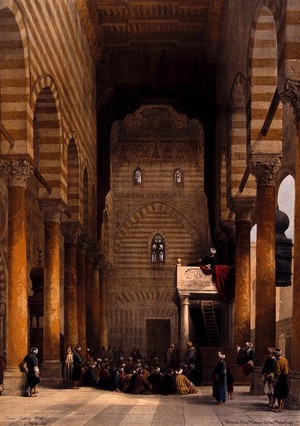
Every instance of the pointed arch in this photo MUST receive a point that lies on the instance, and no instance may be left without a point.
(85, 189)
(240, 138)
(292, 43)
(286, 202)
(263, 71)
(137, 176)
(73, 179)
(142, 212)
(158, 249)
(14, 78)
(48, 140)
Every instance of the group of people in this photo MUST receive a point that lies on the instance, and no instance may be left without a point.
(128, 374)
(245, 358)
(275, 373)
(133, 375)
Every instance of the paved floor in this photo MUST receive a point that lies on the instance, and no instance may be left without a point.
(89, 406)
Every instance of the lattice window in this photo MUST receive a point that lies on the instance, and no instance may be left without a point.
(137, 176)
(158, 249)
(177, 176)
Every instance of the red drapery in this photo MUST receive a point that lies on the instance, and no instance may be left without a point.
(223, 276)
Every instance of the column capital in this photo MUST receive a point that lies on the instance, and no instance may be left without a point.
(184, 298)
(291, 95)
(52, 209)
(242, 207)
(264, 168)
(16, 171)
(71, 231)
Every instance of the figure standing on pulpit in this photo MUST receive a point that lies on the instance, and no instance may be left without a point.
(208, 261)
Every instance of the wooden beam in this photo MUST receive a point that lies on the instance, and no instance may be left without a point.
(271, 112)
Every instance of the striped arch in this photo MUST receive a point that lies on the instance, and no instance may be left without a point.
(239, 138)
(263, 70)
(73, 179)
(224, 211)
(292, 31)
(48, 137)
(142, 212)
(14, 77)
(86, 199)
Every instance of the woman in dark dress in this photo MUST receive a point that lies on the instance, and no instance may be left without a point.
(220, 380)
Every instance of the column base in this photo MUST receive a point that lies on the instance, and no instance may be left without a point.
(51, 373)
(257, 386)
(14, 382)
(293, 399)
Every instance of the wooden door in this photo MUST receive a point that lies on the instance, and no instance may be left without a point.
(158, 338)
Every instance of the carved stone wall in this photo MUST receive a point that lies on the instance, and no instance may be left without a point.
(158, 141)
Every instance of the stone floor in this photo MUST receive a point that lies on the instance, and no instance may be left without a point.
(89, 406)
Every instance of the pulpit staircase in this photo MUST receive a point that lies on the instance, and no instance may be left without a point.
(209, 317)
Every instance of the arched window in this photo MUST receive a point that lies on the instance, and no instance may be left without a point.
(177, 176)
(137, 176)
(157, 249)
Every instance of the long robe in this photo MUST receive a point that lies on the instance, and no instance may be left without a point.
(183, 385)
(220, 381)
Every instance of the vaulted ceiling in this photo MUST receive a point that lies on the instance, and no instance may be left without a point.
(149, 52)
(154, 49)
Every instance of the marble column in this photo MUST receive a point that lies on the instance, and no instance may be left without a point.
(291, 95)
(71, 232)
(16, 173)
(96, 303)
(51, 366)
(242, 208)
(89, 293)
(184, 324)
(264, 171)
(104, 277)
(81, 291)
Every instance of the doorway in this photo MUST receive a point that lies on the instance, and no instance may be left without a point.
(158, 338)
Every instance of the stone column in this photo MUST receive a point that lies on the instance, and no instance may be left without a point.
(81, 291)
(16, 173)
(71, 231)
(230, 324)
(291, 95)
(242, 208)
(265, 319)
(89, 293)
(96, 303)
(51, 366)
(184, 324)
(104, 276)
